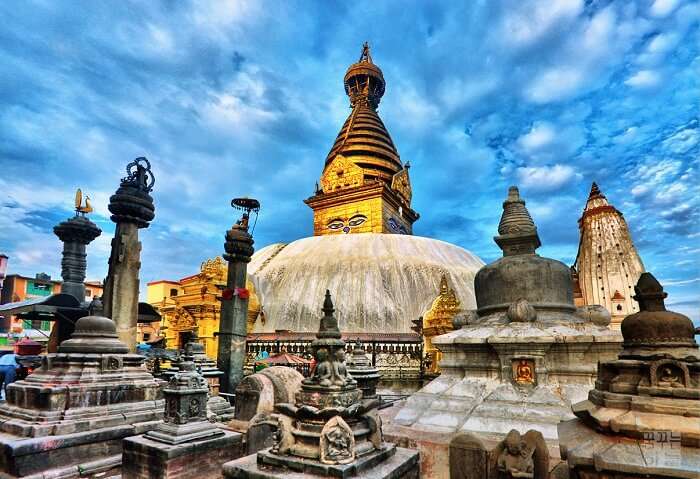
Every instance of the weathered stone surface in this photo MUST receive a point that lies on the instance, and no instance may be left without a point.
(469, 458)
(145, 458)
(259, 392)
(402, 464)
(260, 433)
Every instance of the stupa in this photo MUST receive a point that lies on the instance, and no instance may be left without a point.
(363, 243)
(331, 430)
(642, 419)
(71, 414)
(523, 356)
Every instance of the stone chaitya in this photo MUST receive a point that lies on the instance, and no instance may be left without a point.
(71, 414)
(194, 351)
(330, 430)
(186, 443)
(361, 369)
(523, 356)
(643, 417)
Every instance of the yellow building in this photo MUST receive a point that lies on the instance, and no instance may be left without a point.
(192, 305)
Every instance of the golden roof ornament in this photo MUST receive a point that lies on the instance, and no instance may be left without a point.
(79, 207)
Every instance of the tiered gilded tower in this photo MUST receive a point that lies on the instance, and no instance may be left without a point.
(607, 265)
(364, 186)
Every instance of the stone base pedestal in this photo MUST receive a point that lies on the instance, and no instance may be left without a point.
(388, 463)
(145, 458)
(66, 456)
(591, 455)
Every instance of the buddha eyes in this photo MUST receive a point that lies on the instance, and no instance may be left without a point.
(357, 220)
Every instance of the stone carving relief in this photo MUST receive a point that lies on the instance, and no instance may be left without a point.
(521, 311)
(669, 373)
(337, 442)
(519, 456)
(111, 363)
(283, 437)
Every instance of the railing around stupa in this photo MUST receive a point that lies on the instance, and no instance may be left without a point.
(398, 356)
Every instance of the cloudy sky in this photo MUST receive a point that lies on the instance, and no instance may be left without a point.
(236, 98)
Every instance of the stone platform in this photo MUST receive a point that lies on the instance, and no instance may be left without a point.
(391, 462)
(80, 454)
(144, 457)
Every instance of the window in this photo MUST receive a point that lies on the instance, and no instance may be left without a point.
(173, 292)
(619, 307)
(146, 337)
(88, 293)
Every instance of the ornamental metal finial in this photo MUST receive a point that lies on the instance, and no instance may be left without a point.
(139, 174)
(79, 208)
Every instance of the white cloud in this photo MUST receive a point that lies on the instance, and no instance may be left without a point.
(529, 21)
(644, 79)
(661, 8)
(546, 178)
(554, 84)
(682, 141)
(541, 134)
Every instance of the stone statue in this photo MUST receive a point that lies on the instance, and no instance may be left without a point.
(340, 372)
(523, 456)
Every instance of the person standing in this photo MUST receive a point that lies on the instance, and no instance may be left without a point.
(8, 368)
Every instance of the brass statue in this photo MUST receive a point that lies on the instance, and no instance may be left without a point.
(79, 203)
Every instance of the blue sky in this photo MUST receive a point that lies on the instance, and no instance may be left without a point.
(245, 98)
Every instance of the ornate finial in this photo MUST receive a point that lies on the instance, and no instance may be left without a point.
(518, 234)
(649, 293)
(365, 55)
(139, 175)
(329, 324)
(364, 81)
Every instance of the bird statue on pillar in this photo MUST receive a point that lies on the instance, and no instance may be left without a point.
(79, 207)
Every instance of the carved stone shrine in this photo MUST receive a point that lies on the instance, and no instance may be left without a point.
(185, 444)
(521, 358)
(331, 430)
(643, 417)
(70, 415)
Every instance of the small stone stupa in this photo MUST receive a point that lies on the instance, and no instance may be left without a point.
(185, 444)
(523, 356)
(643, 417)
(71, 414)
(361, 369)
(331, 430)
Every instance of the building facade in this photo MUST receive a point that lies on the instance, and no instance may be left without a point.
(607, 264)
(17, 287)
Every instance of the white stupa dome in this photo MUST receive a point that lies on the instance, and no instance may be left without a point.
(379, 282)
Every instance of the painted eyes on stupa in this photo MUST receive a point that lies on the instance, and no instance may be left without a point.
(353, 222)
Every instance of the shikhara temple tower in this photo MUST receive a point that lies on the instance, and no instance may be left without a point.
(607, 265)
(364, 187)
